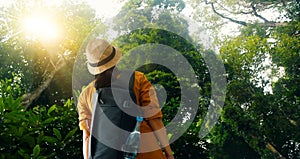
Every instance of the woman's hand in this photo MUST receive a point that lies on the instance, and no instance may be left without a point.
(168, 152)
(157, 124)
(169, 156)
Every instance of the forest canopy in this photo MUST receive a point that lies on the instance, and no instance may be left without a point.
(253, 113)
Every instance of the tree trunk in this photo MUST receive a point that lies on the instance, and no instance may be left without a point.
(28, 98)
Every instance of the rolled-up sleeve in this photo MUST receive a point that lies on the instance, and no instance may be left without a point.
(84, 107)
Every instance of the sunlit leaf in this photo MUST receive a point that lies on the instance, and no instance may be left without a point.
(70, 134)
(36, 151)
(57, 133)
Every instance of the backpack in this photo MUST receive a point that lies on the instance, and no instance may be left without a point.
(111, 125)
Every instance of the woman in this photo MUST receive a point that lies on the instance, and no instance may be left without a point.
(102, 59)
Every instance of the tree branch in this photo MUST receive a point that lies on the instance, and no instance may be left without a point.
(225, 17)
(273, 24)
(257, 15)
(285, 6)
(266, 22)
(231, 12)
(28, 98)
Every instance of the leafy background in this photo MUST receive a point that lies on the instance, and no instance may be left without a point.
(260, 118)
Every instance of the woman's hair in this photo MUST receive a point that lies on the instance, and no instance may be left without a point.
(104, 79)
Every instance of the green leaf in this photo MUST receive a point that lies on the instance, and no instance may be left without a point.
(13, 104)
(2, 106)
(36, 151)
(57, 133)
(20, 131)
(23, 153)
(70, 134)
(8, 88)
(52, 155)
(49, 120)
(50, 139)
(68, 103)
(170, 136)
(40, 138)
(51, 109)
(14, 116)
(32, 117)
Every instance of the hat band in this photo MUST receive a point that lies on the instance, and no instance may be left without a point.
(106, 60)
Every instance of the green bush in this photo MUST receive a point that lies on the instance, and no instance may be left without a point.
(41, 132)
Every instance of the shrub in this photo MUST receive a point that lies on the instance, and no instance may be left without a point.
(41, 132)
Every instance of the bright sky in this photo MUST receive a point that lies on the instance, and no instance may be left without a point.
(42, 26)
(106, 8)
(4, 2)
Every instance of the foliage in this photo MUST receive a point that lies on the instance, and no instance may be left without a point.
(261, 116)
(37, 133)
(155, 25)
(261, 112)
(228, 18)
(35, 57)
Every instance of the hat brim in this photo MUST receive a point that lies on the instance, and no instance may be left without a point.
(108, 65)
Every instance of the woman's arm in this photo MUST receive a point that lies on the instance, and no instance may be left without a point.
(86, 139)
(161, 134)
(152, 113)
(85, 117)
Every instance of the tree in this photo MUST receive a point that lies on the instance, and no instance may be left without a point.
(43, 62)
(36, 73)
(260, 118)
(259, 115)
(235, 11)
(230, 16)
(159, 23)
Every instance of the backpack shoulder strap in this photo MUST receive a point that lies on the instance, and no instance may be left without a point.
(94, 107)
(131, 87)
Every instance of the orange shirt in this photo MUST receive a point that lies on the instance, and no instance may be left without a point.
(145, 94)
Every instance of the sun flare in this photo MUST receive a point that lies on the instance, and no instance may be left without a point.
(42, 27)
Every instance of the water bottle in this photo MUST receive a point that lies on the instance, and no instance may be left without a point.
(132, 144)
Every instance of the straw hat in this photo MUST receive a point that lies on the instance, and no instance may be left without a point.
(101, 56)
